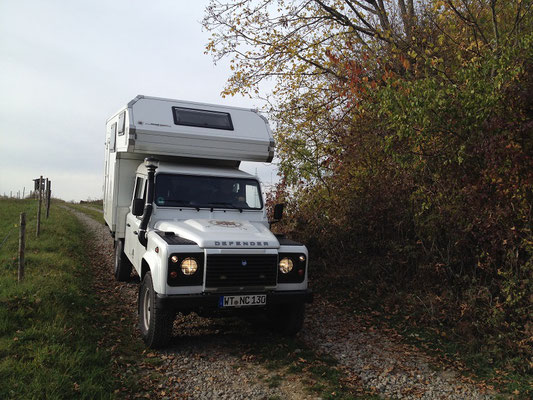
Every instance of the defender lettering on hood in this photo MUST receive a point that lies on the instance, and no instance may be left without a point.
(241, 244)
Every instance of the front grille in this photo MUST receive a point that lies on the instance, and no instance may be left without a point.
(233, 270)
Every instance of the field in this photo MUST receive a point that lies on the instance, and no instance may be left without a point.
(49, 324)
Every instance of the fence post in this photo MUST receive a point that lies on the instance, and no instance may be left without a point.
(22, 245)
(45, 193)
(38, 231)
(48, 197)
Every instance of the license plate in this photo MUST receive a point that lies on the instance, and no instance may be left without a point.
(248, 300)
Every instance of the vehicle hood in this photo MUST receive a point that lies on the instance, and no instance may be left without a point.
(209, 233)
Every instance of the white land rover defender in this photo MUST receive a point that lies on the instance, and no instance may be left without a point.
(190, 222)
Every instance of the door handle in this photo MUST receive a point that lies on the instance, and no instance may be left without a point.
(128, 225)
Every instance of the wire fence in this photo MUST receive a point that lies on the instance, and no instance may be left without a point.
(44, 193)
(15, 225)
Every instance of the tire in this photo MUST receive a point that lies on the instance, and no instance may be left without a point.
(123, 266)
(288, 319)
(155, 323)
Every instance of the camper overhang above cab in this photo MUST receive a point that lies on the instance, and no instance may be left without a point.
(175, 128)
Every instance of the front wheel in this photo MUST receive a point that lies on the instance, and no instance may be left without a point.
(155, 323)
(123, 266)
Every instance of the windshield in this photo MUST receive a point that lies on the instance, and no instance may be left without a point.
(207, 192)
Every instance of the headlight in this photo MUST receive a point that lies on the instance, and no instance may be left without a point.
(189, 266)
(285, 265)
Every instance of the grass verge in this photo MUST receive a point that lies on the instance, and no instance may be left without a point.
(90, 210)
(97, 204)
(50, 327)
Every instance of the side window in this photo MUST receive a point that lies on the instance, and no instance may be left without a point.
(253, 197)
(121, 123)
(112, 137)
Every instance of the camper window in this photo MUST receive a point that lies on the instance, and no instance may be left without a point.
(202, 118)
(121, 123)
(112, 137)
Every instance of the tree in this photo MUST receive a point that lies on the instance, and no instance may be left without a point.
(404, 135)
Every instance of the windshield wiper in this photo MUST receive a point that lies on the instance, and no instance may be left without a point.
(226, 204)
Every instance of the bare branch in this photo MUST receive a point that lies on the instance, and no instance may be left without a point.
(495, 22)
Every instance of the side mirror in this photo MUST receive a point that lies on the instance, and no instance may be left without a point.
(278, 211)
(137, 208)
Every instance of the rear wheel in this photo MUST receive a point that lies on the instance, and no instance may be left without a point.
(155, 323)
(288, 319)
(122, 264)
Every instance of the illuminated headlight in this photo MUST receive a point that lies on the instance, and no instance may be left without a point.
(189, 266)
(285, 265)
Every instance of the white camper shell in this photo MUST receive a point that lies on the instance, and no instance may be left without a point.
(156, 126)
(192, 225)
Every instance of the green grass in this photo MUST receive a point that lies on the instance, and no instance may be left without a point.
(89, 209)
(98, 204)
(49, 327)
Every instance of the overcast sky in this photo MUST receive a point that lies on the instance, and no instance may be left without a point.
(65, 66)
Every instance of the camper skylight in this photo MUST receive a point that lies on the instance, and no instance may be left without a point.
(202, 118)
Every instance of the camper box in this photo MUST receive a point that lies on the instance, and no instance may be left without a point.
(180, 132)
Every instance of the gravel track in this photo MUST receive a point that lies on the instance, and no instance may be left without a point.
(383, 364)
(209, 358)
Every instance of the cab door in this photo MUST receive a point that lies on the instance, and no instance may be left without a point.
(133, 249)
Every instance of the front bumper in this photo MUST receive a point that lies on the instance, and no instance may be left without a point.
(211, 300)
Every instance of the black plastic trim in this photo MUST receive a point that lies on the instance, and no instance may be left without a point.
(148, 206)
(284, 241)
(173, 239)
(211, 300)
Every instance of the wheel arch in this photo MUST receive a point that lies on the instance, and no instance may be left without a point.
(144, 268)
(152, 262)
